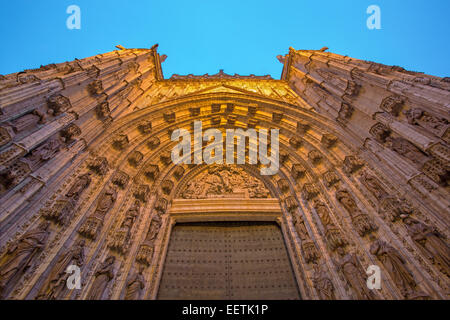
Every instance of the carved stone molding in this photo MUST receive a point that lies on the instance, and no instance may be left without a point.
(392, 104)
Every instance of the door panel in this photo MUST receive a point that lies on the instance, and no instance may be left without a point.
(229, 260)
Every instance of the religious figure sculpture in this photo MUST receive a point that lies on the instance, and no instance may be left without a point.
(43, 153)
(395, 264)
(56, 285)
(122, 235)
(422, 118)
(323, 284)
(431, 241)
(79, 186)
(103, 276)
(135, 285)
(21, 254)
(106, 202)
(354, 274)
(406, 149)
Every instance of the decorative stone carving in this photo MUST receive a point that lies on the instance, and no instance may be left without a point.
(380, 132)
(361, 221)
(431, 242)
(167, 186)
(224, 181)
(231, 119)
(315, 157)
(437, 171)
(103, 110)
(135, 158)
(153, 142)
(392, 104)
(134, 286)
(6, 135)
(195, 112)
(69, 133)
(99, 165)
(161, 205)
(120, 142)
(61, 212)
(145, 252)
(310, 191)
(102, 277)
(345, 113)
(95, 88)
(284, 156)
(295, 142)
(355, 275)
(352, 164)
(216, 120)
(94, 223)
(43, 153)
(13, 175)
(166, 157)
(323, 284)
(169, 117)
(330, 178)
(215, 108)
(121, 237)
(352, 89)
(433, 124)
(291, 204)
(20, 256)
(58, 104)
(283, 185)
(329, 140)
(28, 121)
(178, 172)
(120, 179)
(395, 264)
(24, 78)
(141, 192)
(391, 208)
(152, 172)
(333, 235)
(230, 107)
(252, 110)
(55, 286)
(373, 185)
(406, 149)
(298, 171)
(252, 123)
(145, 127)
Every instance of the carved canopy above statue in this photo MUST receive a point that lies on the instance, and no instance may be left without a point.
(224, 182)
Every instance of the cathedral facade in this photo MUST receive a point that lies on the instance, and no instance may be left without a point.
(93, 207)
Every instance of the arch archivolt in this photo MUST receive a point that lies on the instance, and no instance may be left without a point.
(320, 173)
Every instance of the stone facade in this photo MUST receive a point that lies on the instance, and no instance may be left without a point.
(87, 180)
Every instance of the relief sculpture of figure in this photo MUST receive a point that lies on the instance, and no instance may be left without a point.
(431, 242)
(55, 287)
(106, 202)
(323, 284)
(406, 149)
(355, 275)
(43, 153)
(396, 267)
(135, 285)
(425, 120)
(103, 276)
(21, 255)
(79, 186)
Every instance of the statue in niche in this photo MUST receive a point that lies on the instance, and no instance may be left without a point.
(21, 254)
(332, 233)
(355, 275)
(135, 285)
(431, 241)
(427, 121)
(103, 276)
(154, 228)
(373, 185)
(55, 287)
(43, 153)
(323, 284)
(395, 264)
(130, 217)
(79, 186)
(106, 202)
(406, 149)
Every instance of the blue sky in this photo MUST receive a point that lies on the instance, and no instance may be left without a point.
(239, 36)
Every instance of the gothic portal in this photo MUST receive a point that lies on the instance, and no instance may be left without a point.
(87, 182)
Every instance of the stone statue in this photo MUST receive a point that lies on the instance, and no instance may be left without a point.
(344, 197)
(154, 228)
(406, 149)
(427, 121)
(21, 255)
(43, 153)
(103, 276)
(396, 267)
(431, 242)
(135, 285)
(106, 202)
(55, 287)
(79, 186)
(355, 275)
(130, 217)
(323, 284)
(373, 185)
